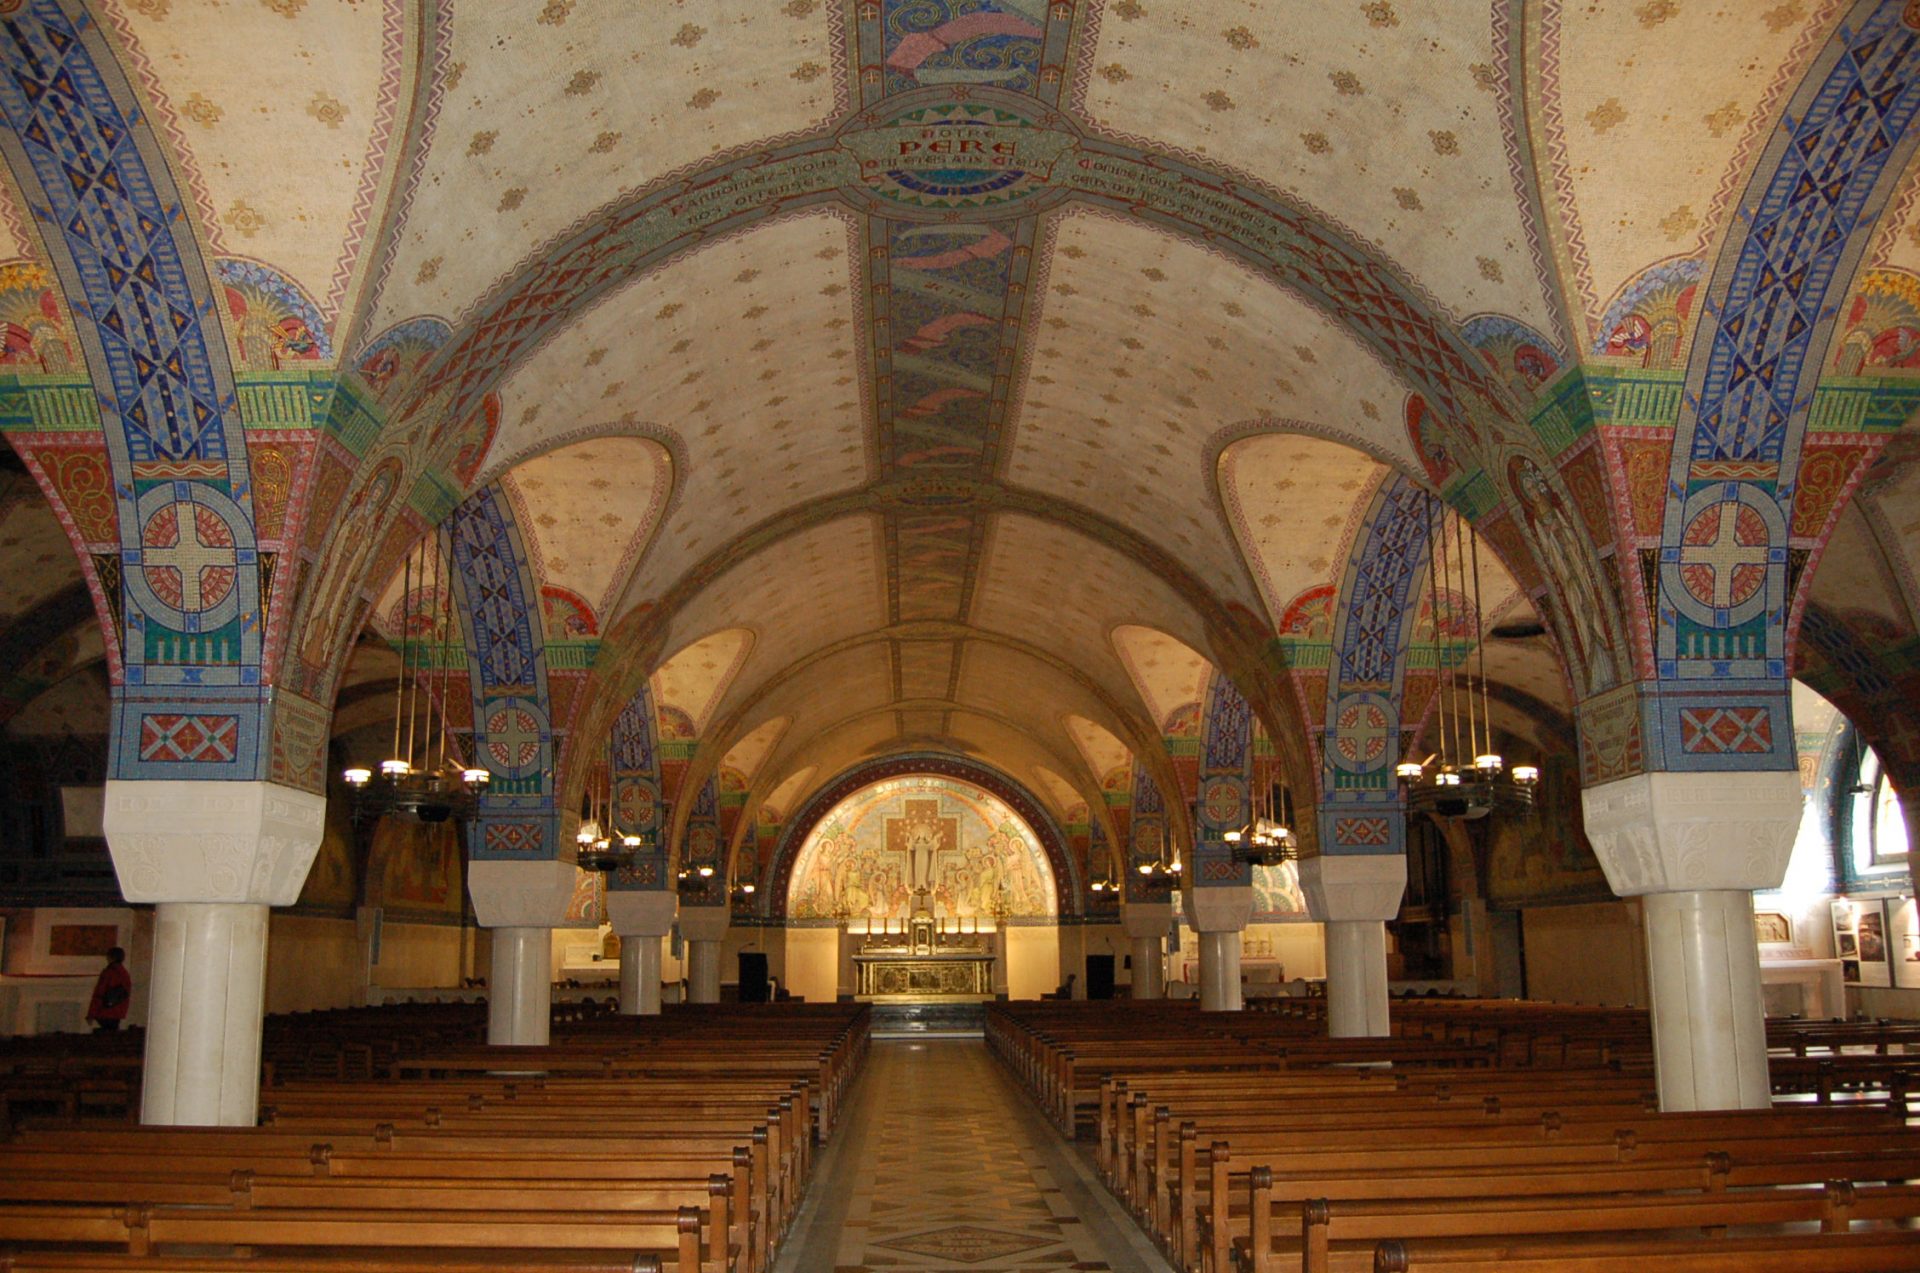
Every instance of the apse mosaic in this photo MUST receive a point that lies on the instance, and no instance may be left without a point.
(857, 860)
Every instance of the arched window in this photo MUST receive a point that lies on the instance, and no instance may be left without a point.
(1873, 833)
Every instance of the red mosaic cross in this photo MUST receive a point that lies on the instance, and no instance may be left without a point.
(186, 739)
(1723, 555)
(1362, 831)
(1726, 730)
(512, 837)
(188, 555)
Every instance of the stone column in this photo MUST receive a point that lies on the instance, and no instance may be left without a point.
(704, 928)
(1000, 948)
(845, 983)
(1219, 915)
(1693, 847)
(522, 903)
(1353, 895)
(212, 857)
(1146, 924)
(641, 918)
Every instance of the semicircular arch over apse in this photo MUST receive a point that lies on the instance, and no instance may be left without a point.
(977, 855)
(1007, 808)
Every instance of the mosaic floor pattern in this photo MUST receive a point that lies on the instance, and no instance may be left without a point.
(942, 1164)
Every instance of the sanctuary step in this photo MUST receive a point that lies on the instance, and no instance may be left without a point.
(920, 1020)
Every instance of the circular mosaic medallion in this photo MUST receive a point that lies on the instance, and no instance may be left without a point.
(194, 556)
(634, 805)
(1734, 540)
(513, 737)
(1362, 729)
(1224, 802)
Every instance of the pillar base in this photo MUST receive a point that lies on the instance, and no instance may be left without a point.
(1693, 847)
(641, 918)
(704, 928)
(1219, 915)
(1147, 924)
(522, 902)
(211, 857)
(1353, 895)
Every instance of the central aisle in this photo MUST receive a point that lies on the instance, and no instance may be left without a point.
(942, 1163)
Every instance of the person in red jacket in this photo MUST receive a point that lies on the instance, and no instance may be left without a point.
(112, 991)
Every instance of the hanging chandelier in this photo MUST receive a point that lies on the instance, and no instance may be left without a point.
(423, 777)
(600, 845)
(1467, 777)
(1266, 838)
(1162, 873)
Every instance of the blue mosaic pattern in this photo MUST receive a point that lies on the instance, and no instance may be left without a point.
(636, 790)
(187, 583)
(1724, 587)
(1226, 777)
(993, 42)
(1372, 631)
(1146, 834)
(513, 737)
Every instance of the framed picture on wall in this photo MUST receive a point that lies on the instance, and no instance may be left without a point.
(1771, 928)
(1903, 942)
(1870, 931)
(1846, 941)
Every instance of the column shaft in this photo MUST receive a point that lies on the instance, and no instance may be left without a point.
(845, 981)
(1356, 978)
(703, 970)
(1149, 980)
(1220, 972)
(204, 1013)
(1709, 1025)
(520, 987)
(640, 975)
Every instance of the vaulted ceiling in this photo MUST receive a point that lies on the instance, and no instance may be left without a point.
(909, 457)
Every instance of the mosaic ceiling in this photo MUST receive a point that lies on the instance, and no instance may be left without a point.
(961, 375)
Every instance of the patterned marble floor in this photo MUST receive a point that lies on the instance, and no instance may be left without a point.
(943, 1164)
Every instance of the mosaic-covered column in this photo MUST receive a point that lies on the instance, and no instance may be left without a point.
(1355, 883)
(1218, 890)
(211, 857)
(639, 903)
(1353, 895)
(1693, 847)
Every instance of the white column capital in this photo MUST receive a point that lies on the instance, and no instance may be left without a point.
(636, 913)
(520, 894)
(1690, 832)
(1353, 886)
(246, 842)
(1147, 919)
(1221, 909)
(705, 923)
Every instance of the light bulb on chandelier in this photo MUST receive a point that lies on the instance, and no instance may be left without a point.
(1463, 719)
(423, 777)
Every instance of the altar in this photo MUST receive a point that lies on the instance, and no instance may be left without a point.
(923, 962)
(885, 976)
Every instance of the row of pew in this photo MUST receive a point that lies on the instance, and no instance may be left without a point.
(680, 1142)
(1477, 1136)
